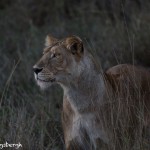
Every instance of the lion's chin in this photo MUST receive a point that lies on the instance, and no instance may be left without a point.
(44, 85)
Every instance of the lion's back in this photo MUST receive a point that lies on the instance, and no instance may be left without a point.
(134, 76)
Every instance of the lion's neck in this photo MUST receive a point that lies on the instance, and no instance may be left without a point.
(86, 91)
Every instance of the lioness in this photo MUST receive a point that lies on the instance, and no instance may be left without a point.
(89, 95)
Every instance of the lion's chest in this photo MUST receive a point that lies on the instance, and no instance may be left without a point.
(81, 128)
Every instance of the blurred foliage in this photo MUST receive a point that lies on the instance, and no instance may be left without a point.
(114, 31)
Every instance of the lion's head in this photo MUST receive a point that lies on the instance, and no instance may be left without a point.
(59, 62)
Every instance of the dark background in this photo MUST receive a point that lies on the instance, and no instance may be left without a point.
(115, 31)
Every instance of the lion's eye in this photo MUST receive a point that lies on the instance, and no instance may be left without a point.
(53, 55)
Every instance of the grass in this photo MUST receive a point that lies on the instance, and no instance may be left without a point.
(126, 114)
(28, 115)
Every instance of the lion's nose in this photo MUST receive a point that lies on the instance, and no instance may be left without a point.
(37, 69)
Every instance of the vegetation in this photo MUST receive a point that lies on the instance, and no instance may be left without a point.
(115, 32)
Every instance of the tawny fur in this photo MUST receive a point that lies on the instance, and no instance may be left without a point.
(88, 93)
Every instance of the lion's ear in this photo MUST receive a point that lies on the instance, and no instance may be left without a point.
(75, 45)
(50, 40)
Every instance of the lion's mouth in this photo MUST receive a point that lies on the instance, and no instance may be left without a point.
(48, 80)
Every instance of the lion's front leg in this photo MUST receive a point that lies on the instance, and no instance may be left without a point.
(79, 145)
(73, 145)
(86, 145)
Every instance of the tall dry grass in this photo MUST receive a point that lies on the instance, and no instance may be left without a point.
(31, 116)
(127, 111)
